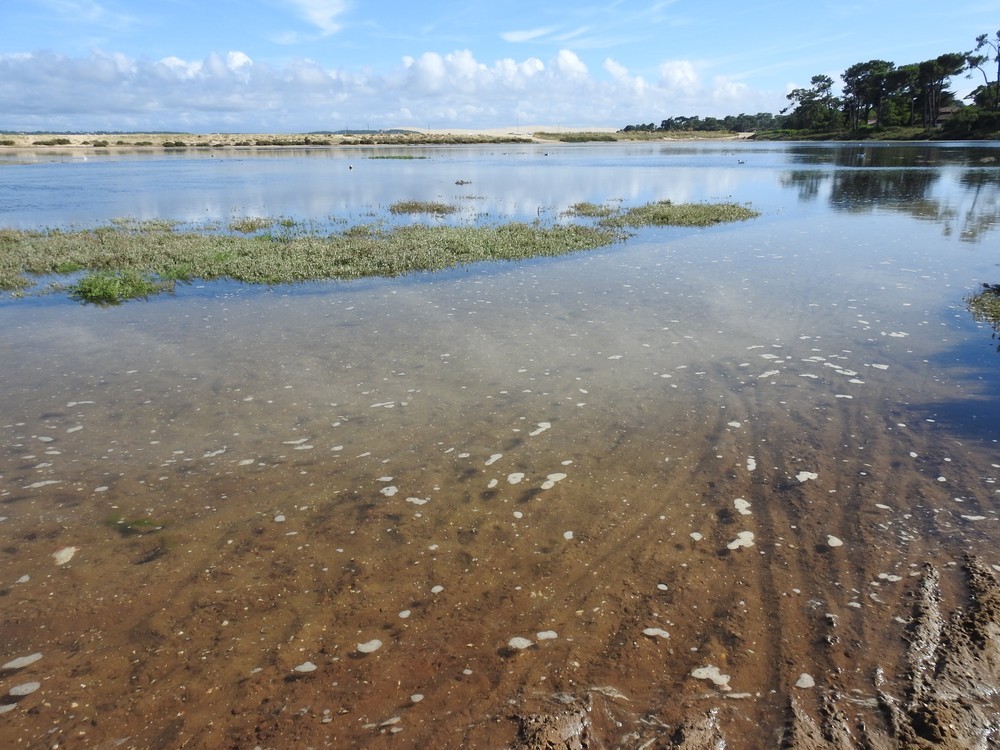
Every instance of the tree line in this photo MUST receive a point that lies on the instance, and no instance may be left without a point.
(879, 94)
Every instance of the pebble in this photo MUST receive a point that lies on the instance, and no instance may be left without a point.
(64, 555)
(26, 688)
(304, 667)
(21, 662)
(656, 633)
(805, 681)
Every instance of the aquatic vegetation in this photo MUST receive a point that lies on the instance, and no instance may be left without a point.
(134, 526)
(590, 210)
(130, 259)
(251, 224)
(985, 306)
(666, 213)
(114, 287)
(422, 207)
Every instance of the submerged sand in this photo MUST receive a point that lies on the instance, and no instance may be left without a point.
(618, 500)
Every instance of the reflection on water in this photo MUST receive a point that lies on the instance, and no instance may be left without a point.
(722, 452)
(957, 187)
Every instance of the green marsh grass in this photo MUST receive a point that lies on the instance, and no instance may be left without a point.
(591, 210)
(985, 305)
(114, 287)
(665, 213)
(251, 224)
(130, 259)
(422, 207)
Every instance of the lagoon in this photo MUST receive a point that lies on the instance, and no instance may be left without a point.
(751, 440)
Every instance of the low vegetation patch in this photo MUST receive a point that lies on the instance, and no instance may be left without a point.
(591, 210)
(251, 224)
(665, 213)
(130, 259)
(422, 207)
(114, 287)
(985, 305)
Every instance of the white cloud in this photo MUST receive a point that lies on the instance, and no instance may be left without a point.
(526, 35)
(567, 62)
(617, 70)
(229, 90)
(322, 14)
(679, 76)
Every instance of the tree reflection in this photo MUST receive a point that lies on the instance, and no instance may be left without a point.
(957, 188)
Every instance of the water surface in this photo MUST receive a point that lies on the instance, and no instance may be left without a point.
(726, 434)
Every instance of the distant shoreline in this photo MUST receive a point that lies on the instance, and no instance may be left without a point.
(109, 142)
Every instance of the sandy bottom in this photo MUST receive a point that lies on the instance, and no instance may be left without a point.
(382, 519)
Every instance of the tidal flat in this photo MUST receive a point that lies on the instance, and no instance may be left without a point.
(734, 483)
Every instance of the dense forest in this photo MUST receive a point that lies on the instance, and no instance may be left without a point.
(878, 94)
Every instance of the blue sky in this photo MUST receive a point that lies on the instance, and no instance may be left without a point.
(301, 65)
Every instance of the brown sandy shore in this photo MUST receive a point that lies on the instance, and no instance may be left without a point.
(111, 142)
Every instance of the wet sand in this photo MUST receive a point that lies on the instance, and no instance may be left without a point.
(322, 519)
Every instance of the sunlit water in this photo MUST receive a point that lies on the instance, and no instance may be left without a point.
(559, 444)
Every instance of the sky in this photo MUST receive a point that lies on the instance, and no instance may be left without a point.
(292, 66)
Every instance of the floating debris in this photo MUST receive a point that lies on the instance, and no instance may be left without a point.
(515, 478)
(370, 646)
(742, 506)
(494, 458)
(656, 633)
(308, 666)
(519, 644)
(805, 476)
(567, 535)
(546, 635)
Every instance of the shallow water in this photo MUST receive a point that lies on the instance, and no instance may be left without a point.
(724, 435)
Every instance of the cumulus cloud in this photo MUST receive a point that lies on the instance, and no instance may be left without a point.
(679, 76)
(231, 90)
(568, 63)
